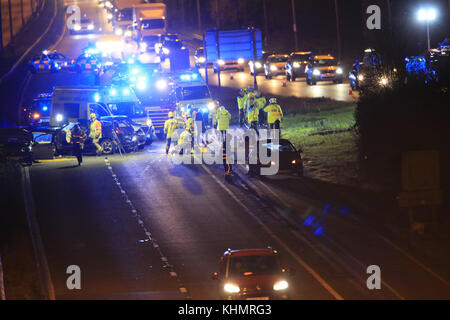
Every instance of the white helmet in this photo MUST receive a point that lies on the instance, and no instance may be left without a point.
(273, 100)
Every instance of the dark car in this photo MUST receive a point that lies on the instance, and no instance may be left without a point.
(169, 46)
(259, 63)
(87, 62)
(148, 43)
(252, 274)
(290, 160)
(16, 145)
(115, 134)
(296, 65)
(199, 57)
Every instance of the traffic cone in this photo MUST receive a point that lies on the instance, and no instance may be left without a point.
(350, 90)
(284, 83)
(231, 76)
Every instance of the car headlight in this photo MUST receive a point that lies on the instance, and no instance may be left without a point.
(280, 285)
(201, 59)
(161, 84)
(293, 162)
(165, 50)
(258, 64)
(360, 77)
(134, 138)
(272, 163)
(240, 61)
(128, 33)
(59, 117)
(119, 32)
(316, 72)
(296, 65)
(91, 27)
(221, 62)
(273, 67)
(339, 71)
(109, 16)
(77, 27)
(142, 79)
(143, 46)
(231, 288)
(384, 81)
(211, 105)
(141, 85)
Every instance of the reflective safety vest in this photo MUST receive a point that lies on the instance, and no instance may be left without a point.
(223, 119)
(241, 102)
(95, 130)
(169, 127)
(260, 102)
(253, 114)
(185, 138)
(190, 124)
(274, 113)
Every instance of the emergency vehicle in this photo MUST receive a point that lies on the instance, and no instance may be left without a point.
(39, 111)
(76, 103)
(49, 61)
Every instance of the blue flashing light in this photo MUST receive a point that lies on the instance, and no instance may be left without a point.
(126, 91)
(309, 221)
(130, 61)
(96, 97)
(44, 108)
(205, 109)
(113, 92)
(318, 232)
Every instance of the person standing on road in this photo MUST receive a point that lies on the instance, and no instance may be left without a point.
(77, 138)
(260, 102)
(253, 115)
(223, 117)
(190, 125)
(274, 114)
(95, 132)
(169, 128)
(242, 106)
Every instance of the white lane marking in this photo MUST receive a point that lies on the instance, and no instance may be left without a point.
(2, 283)
(310, 270)
(35, 235)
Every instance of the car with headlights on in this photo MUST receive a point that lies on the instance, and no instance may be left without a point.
(149, 43)
(323, 68)
(83, 26)
(222, 65)
(199, 58)
(296, 65)
(252, 274)
(169, 46)
(259, 64)
(289, 158)
(49, 61)
(275, 65)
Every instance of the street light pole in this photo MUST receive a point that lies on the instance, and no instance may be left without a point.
(199, 17)
(266, 27)
(338, 30)
(428, 34)
(294, 24)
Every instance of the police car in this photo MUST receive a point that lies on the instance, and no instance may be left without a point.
(87, 62)
(49, 61)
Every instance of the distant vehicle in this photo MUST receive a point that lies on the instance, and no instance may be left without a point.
(168, 46)
(123, 15)
(150, 19)
(252, 274)
(199, 57)
(87, 62)
(296, 65)
(39, 112)
(275, 65)
(49, 61)
(323, 68)
(222, 65)
(259, 64)
(83, 26)
(16, 145)
(149, 43)
(290, 159)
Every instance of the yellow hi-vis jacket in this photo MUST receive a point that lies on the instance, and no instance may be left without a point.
(185, 138)
(190, 123)
(260, 102)
(169, 127)
(253, 114)
(223, 119)
(95, 130)
(274, 113)
(241, 102)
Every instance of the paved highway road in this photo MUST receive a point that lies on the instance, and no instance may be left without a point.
(142, 227)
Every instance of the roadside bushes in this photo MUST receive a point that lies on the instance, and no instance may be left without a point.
(393, 121)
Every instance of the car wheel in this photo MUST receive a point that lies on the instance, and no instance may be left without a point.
(107, 146)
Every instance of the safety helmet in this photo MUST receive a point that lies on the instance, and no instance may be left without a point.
(92, 116)
(170, 114)
(250, 88)
(242, 92)
(273, 100)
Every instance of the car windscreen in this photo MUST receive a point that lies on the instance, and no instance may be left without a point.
(300, 57)
(173, 44)
(42, 138)
(150, 39)
(85, 21)
(126, 108)
(125, 14)
(55, 56)
(281, 147)
(277, 59)
(152, 24)
(254, 266)
(193, 93)
(325, 62)
(171, 37)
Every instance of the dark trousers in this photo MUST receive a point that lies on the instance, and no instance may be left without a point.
(169, 141)
(227, 167)
(262, 117)
(254, 126)
(241, 117)
(275, 125)
(78, 152)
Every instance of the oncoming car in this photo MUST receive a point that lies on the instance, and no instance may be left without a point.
(275, 65)
(296, 65)
(83, 26)
(323, 68)
(223, 65)
(49, 60)
(252, 274)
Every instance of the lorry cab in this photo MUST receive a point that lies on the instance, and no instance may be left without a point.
(150, 19)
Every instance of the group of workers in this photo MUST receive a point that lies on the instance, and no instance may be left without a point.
(253, 110)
